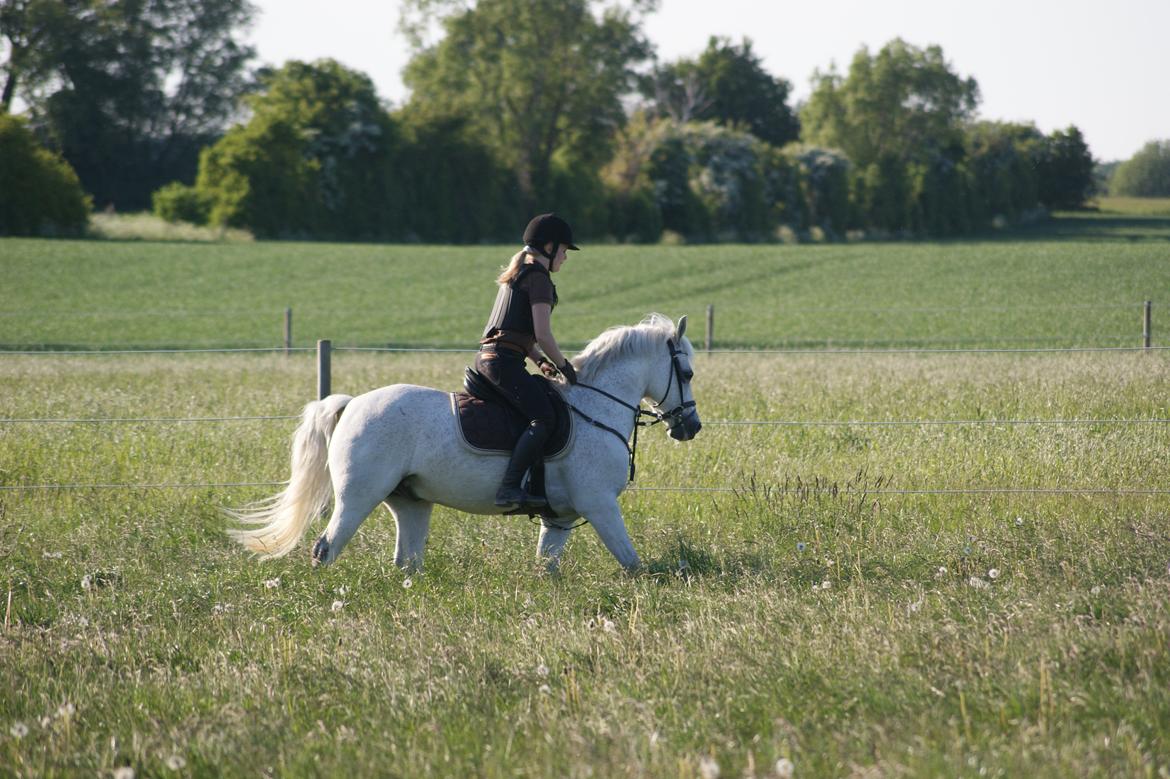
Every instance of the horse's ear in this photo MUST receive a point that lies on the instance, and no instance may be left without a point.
(682, 327)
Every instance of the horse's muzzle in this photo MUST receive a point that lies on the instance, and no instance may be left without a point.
(684, 426)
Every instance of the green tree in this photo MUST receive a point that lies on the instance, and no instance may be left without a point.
(539, 80)
(899, 116)
(128, 91)
(1065, 169)
(1146, 174)
(903, 102)
(314, 160)
(1002, 159)
(40, 194)
(729, 85)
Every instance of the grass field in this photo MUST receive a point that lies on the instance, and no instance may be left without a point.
(858, 623)
(1077, 281)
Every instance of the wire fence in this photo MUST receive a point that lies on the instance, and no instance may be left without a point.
(959, 344)
(287, 348)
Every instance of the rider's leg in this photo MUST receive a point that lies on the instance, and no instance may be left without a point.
(528, 450)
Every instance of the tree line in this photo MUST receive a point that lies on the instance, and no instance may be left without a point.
(516, 106)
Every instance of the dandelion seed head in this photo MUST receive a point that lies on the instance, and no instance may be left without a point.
(993, 574)
(609, 626)
(66, 710)
(343, 590)
(784, 768)
(1096, 589)
(826, 585)
(271, 584)
(542, 670)
(176, 763)
(1019, 521)
(338, 605)
(709, 768)
(18, 730)
(407, 583)
(124, 772)
(545, 689)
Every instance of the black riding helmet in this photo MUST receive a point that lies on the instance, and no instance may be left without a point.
(548, 228)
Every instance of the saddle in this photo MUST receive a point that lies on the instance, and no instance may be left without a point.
(490, 422)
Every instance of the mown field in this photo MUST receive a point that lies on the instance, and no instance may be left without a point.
(856, 605)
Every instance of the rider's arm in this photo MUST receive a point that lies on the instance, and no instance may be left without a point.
(542, 328)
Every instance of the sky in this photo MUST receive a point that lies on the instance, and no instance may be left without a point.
(1104, 67)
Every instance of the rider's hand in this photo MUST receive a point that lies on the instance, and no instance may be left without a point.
(546, 367)
(569, 372)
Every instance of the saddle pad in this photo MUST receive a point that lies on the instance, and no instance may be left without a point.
(493, 427)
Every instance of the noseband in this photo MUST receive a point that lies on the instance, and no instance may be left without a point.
(672, 417)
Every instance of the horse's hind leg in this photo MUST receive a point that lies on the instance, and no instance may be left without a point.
(414, 525)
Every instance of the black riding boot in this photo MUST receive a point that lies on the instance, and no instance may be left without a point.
(528, 450)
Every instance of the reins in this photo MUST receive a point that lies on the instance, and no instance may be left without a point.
(639, 412)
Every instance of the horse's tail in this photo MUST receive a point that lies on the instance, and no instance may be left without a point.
(285, 515)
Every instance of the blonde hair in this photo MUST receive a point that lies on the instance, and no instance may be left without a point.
(513, 267)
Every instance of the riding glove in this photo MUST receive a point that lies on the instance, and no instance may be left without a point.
(569, 372)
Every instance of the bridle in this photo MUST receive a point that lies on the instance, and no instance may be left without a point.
(672, 417)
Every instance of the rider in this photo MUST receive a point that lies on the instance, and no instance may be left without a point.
(519, 327)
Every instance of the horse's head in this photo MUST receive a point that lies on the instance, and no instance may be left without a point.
(670, 386)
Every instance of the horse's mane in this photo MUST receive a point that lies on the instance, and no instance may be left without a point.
(621, 341)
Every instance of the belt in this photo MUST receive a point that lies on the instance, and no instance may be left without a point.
(502, 349)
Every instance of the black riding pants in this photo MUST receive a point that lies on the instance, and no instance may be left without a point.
(506, 371)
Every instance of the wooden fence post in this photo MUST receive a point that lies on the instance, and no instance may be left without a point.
(287, 331)
(323, 369)
(710, 326)
(1146, 324)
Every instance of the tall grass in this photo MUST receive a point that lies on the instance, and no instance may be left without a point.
(837, 624)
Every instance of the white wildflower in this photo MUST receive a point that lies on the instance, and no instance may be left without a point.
(66, 710)
(977, 583)
(176, 763)
(125, 772)
(542, 670)
(941, 572)
(784, 768)
(272, 584)
(545, 689)
(993, 574)
(708, 768)
(1019, 521)
(826, 585)
(609, 626)
(338, 605)
(1096, 589)
(407, 583)
(816, 588)
(343, 590)
(18, 730)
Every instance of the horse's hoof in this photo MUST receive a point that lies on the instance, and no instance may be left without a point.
(320, 552)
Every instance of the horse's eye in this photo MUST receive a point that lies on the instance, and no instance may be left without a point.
(688, 375)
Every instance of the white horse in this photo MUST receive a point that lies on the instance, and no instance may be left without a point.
(401, 445)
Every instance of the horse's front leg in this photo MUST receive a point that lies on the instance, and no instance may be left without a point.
(552, 542)
(606, 519)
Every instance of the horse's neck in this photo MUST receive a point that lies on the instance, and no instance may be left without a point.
(625, 381)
